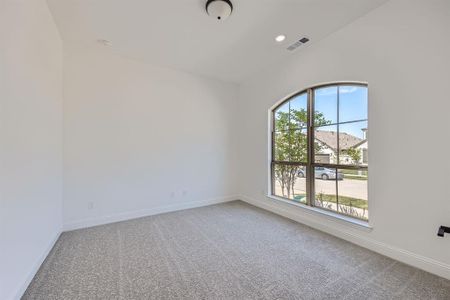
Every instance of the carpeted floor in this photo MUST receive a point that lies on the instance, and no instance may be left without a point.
(225, 251)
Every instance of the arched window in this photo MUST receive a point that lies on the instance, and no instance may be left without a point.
(320, 149)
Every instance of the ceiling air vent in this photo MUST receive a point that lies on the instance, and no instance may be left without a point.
(297, 44)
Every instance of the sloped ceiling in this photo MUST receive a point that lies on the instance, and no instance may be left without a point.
(179, 34)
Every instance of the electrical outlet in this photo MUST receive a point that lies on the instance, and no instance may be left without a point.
(184, 193)
(90, 205)
(172, 195)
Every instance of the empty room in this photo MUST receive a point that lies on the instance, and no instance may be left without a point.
(224, 149)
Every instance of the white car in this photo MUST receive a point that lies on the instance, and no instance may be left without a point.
(323, 173)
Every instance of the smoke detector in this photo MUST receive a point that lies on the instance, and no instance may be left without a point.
(219, 9)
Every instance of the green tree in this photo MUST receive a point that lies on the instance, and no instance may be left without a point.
(291, 145)
(354, 154)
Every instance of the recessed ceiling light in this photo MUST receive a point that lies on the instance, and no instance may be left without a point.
(280, 38)
(104, 42)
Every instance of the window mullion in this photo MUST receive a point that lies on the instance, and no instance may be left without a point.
(338, 149)
(338, 161)
(310, 149)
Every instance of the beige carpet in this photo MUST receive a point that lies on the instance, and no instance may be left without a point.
(226, 251)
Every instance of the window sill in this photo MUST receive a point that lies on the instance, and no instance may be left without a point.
(329, 214)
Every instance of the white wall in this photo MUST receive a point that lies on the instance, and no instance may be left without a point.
(140, 140)
(402, 50)
(30, 141)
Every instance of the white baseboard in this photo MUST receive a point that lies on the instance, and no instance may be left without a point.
(21, 290)
(144, 212)
(407, 257)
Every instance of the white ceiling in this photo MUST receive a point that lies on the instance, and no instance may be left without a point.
(179, 34)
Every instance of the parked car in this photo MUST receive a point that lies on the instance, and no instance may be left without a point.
(323, 173)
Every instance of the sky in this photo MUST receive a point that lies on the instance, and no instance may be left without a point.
(352, 107)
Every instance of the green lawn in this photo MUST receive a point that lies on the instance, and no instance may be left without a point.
(348, 201)
(353, 174)
(355, 177)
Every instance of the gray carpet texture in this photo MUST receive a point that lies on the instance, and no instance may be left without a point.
(225, 251)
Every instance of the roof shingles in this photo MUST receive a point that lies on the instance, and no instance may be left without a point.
(329, 138)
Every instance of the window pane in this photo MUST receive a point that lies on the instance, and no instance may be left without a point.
(353, 143)
(291, 145)
(299, 111)
(325, 106)
(281, 146)
(353, 193)
(325, 144)
(298, 150)
(290, 182)
(352, 103)
(282, 117)
(325, 188)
